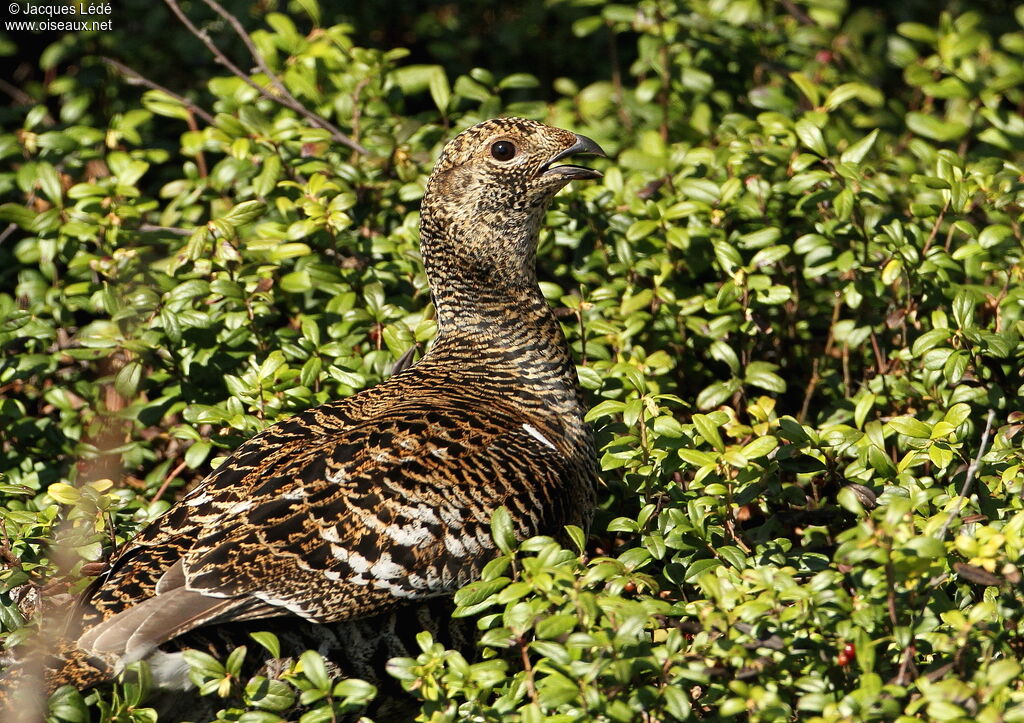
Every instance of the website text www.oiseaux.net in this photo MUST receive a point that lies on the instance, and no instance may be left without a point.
(73, 17)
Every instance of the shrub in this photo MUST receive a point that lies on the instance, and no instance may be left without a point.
(795, 300)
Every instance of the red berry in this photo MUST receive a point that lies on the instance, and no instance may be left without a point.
(851, 651)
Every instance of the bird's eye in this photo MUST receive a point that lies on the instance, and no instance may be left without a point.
(503, 151)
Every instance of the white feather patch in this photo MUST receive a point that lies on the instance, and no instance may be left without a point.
(532, 431)
(170, 671)
(409, 535)
(196, 501)
(240, 507)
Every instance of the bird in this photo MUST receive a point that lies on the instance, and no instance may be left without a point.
(360, 508)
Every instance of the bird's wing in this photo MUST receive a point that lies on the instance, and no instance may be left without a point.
(389, 511)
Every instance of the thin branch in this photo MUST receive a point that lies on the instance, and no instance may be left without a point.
(20, 96)
(935, 230)
(167, 481)
(812, 384)
(285, 98)
(880, 361)
(11, 228)
(906, 664)
(250, 46)
(796, 12)
(133, 77)
(971, 470)
(166, 229)
(524, 656)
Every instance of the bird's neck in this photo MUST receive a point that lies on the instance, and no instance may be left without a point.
(492, 318)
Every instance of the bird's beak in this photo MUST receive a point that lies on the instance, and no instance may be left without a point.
(582, 146)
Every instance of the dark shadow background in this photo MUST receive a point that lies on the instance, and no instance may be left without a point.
(536, 37)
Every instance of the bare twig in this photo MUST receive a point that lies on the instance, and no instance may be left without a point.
(890, 585)
(881, 364)
(812, 384)
(847, 384)
(971, 470)
(613, 56)
(11, 228)
(20, 96)
(167, 481)
(250, 46)
(906, 664)
(166, 229)
(524, 656)
(284, 97)
(134, 78)
(796, 12)
(935, 230)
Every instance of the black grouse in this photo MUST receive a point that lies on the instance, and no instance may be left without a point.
(368, 505)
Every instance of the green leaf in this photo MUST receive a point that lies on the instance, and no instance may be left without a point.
(502, 530)
(440, 91)
(67, 704)
(555, 626)
(963, 310)
(856, 152)
(931, 127)
(928, 546)
(49, 183)
(892, 270)
(63, 493)
(518, 80)
(203, 662)
(847, 91)
(476, 592)
(955, 366)
(126, 382)
(17, 214)
(245, 212)
(929, 340)
(605, 409)
(761, 374)
(233, 665)
(810, 135)
(355, 690)
(677, 704)
(918, 31)
(578, 538)
(314, 668)
(698, 458)
(863, 407)
(940, 455)
(709, 431)
(196, 454)
(699, 567)
(733, 555)
(958, 414)
(911, 427)
(268, 641)
(849, 500)
(808, 87)
(760, 447)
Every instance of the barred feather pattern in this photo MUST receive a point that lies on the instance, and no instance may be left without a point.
(353, 511)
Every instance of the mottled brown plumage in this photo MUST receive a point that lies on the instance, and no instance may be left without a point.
(358, 507)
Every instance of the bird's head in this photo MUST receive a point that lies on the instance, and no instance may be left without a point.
(488, 193)
(509, 162)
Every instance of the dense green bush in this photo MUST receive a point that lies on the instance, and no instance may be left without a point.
(795, 298)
